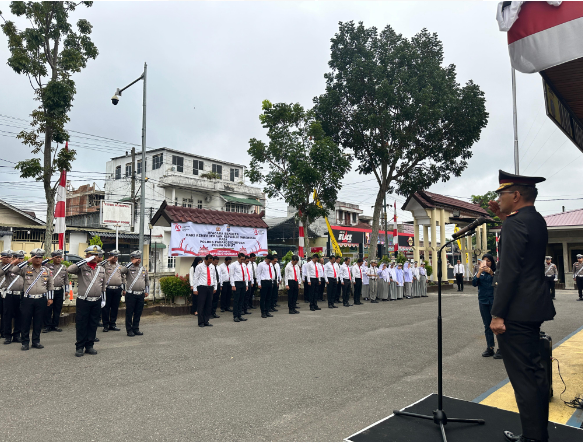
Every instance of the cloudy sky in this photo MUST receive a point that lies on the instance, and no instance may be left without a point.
(210, 65)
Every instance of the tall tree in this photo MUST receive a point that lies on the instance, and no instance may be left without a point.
(48, 52)
(404, 116)
(298, 159)
(483, 200)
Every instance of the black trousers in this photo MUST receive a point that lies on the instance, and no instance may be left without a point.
(53, 312)
(331, 292)
(306, 291)
(109, 311)
(226, 294)
(338, 291)
(238, 298)
(265, 295)
(1, 317)
(11, 311)
(292, 294)
(357, 289)
(86, 320)
(459, 279)
(321, 289)
(314, 291)
(204, 306)
(520, 347)
(579, 281)
(134, 308)
(346, 291)
(551, 285)
(215, 300)
(32, 310)
(251, 294)
(274, 293)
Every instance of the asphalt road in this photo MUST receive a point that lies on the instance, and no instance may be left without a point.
(316, 376)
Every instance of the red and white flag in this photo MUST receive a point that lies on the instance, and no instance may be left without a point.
(60, 206)
(395, 230)
(542, 34)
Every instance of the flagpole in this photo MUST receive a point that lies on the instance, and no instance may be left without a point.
(60, 208)
(515, 122)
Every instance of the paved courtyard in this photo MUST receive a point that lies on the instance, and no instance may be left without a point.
(316, 376)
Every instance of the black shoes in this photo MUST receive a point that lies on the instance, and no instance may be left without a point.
(216, 316)
(37, 346)
(105, 329)
(90, 351)
(510, 436)
(7, 341)
(317, 308)
(291, 311)
(79, 352)
(330, 307)
(276, 305)
(489, 352)
(247, 313)
(222, 310)
(96, 340)
(138, 333)
(201, 325)
(580, 299)
(242, 319)
(16, 339)
(113, 328)
(374, 301)
(312, 308)
(229, 310)
(207, 324)
(498, 355)
(267, 314)
(272, 310)
(131, 334)
(45, 330)
(263, 315)
(24, 347)
(53, 329)
(236, 319)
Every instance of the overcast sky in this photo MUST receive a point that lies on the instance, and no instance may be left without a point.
(210, 65)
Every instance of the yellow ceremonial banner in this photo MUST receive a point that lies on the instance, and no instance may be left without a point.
(459, 243)
(335, 246)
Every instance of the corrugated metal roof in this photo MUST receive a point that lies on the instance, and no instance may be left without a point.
(569, 218)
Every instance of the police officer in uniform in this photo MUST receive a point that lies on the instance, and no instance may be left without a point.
(12, 285)
(521, 301)
(551, 275)
(578, 275)
(91, 297)
(137, 289)
(61, 287)
(5, 259)
(37, 294)
(115, 279)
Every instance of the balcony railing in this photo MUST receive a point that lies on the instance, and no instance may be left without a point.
(174, 179)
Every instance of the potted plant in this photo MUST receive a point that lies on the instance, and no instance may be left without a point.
(176, 288)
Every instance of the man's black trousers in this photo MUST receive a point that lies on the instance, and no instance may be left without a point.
(265, 296)
(238, 298)
(53, 312)
(306, 290)
(314, 292)
(579, 281)
(11, 310)
(226, 294)
(32, 310)
(338, 291)
(292, 294)
(331, 291)
(346, 291)
(215, 300)
(357, 289)
(204, 306)
(249, 300)
(86, 319)
(520, 347)
(109, 311)
(134, 308)
(274, 293)
(459, 279)
(321, 289)
(551, 285)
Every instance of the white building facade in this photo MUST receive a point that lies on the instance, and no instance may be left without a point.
(181, 179)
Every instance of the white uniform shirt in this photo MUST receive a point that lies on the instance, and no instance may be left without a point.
(311, 270)
(415, 270)
(263, 272)
(365, 275)
(355, 272)
(200, 276)
(458, 269)
(224, 272)
(422, 271)
(277, 272)
(345, 272)
(372, 272)
(392, 274)
(237, 273)
(321, 271)
(330, 271)
(305, 271)
(289, 272)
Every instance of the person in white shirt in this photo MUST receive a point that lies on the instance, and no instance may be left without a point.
(313, 282)
(249, 276)
(322, 286)
(365, 281)
(423, 280)
(415, 271)
(252, 266)
(204, 284)
(226, 291)
(276, 282)
(458, 270)
(292, 282)
(382, 286)
(239, 282)
(305, 280)
(339, 281)
(346, 282)
(392, 279)
(331, 280)
(372, 275)
(357, 280)
(265, 273)
(217, 293)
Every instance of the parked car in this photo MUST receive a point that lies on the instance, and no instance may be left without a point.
(72, 258)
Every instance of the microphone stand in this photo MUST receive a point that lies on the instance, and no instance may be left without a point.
(439, 417)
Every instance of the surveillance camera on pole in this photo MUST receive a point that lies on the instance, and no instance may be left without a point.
(115, 98)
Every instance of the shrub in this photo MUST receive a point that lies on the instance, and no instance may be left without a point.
(429, 268)
(173, 287)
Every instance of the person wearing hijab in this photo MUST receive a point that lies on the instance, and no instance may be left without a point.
(422, 280)
(195, 263)
(408, 279)
(382, 287)
(483, 281)
(416, 289)
(400, 278)
(392, 278)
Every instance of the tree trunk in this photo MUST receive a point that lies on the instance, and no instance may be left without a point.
(49, 193)
(374, 236)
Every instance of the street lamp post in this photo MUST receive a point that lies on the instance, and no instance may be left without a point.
(115, 101)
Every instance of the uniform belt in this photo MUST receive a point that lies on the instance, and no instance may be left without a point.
(89, 298)
(35, 296)
(14, 292)
(113, 287)
(58, 288)
(137, 292)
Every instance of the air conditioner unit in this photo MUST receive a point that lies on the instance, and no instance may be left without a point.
(208, 199)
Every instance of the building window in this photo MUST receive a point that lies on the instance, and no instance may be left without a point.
(197, 165)
(128, 169)
(234, 207)
(184, 202)
(234, 174)
(117, 172)
(218, 169)
(353, 218)
(178, 163)
(157, 161)
(176, 201)
(139, 166)
(199, 205)
(171, 262)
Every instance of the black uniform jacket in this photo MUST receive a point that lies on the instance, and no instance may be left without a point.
(521, 293)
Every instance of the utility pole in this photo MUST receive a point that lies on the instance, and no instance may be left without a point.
(133, 193)
(386, 233)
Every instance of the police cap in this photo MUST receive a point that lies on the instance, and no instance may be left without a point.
(6, 253)
(136, 254)
(38, 252)
(18, 254)
(505, 179)
(548, 257)
(93, 250)
(579, 255)
(57, 253)
(113, 253)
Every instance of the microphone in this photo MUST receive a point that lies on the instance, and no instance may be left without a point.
(473, 225)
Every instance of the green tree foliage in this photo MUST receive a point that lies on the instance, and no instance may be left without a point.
(176, 286)
(96, 240)
(483, 200)
(391, 101)
(298, 159)
(48, 52)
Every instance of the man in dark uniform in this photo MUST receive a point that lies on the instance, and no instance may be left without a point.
(12, 286)
(551, 275)
(61, 284)
(115, 279)
(521, 301)
(578, 275)
(137, 289)
(217, 293)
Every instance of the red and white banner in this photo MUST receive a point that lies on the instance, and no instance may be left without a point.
(395, 230)
(60, 207)
(197, 240)
(542, 34)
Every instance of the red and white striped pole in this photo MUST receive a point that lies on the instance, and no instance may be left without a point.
(301, 237)
(395, 231)
(60, 208)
